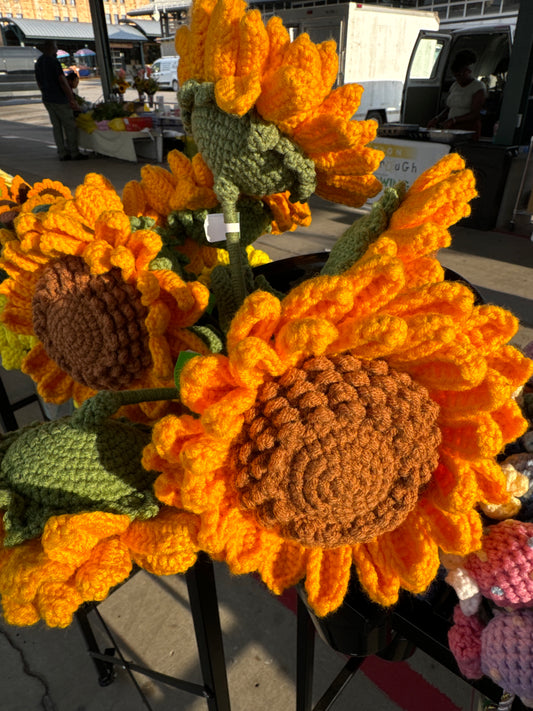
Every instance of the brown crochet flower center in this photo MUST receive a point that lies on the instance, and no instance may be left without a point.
(91, 325)
(336, 451)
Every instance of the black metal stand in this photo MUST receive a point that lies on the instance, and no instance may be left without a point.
(204, 608)
(7, 409)
(358, 629)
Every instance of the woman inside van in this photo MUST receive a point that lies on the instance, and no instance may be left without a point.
(465, 99)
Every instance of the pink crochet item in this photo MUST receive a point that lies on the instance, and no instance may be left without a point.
(503, 569)
(464, 639)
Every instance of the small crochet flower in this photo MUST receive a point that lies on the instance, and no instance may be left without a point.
(354, 422)
(262, 110)
(80, 281)
(19, 197)
(76, 509)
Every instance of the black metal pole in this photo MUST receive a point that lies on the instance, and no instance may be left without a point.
(204, 608)
(305, 657)
(103, 51)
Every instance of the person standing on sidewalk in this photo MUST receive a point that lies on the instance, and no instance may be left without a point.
(59, 101)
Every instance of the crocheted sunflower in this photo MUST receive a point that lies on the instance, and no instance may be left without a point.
(77, 510)
(262, 111)
(354, 422)
(80, 281)
(18, 196)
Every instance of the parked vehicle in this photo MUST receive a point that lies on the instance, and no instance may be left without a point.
(165, 72)
(17, 78)
(429, 76)
(374, 44)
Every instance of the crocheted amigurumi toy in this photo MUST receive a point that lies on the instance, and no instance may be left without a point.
(78, 508)
(501, 571)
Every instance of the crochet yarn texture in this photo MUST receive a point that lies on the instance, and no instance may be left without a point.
(252, 68)
(78, 510)
(267, 461)
(80, 280)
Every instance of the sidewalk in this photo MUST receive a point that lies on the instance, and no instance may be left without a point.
(50, 669)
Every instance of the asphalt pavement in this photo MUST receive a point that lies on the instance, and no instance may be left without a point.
(150, 616)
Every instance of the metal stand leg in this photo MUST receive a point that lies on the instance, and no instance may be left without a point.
(204, 608)
(305, 657)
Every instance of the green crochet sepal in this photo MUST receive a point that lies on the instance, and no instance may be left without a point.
(82, 463)
(141, 223)
(246, 155)
(354, 242)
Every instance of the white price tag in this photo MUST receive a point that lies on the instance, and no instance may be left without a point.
(216, 229)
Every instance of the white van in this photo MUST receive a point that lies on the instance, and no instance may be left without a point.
(165, 72)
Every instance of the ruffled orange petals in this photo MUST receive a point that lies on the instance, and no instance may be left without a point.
(413, 553)
(378, 578)
(490, 394)
(283, 565)
(287, 215)
(222, 40)
(510, 420)
(70, 538)
(166, 544)
(194, 182)
(453, 367)
(108, 565)
(454, 485)
(53, 384)
(190, 43)
(490, 327)
(251, 359)
(327, 578)
(446, 298)
(442, 197)
(371, 337)
(158, 185)
(473, 438)
(309, 336)
(349, 190)
(204, 381)
(458, 533)
(512, 364)
(257, 317)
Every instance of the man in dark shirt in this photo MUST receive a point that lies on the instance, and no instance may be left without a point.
(59, 101)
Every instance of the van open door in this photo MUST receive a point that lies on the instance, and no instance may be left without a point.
(429, 76)
(422, 88)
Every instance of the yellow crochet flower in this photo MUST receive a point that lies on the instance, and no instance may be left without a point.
(254, 67)
(14, 347)
(18, 196)
(356, 421)
(80, 281)
(80, 557)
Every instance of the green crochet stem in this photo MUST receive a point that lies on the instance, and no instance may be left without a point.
(105, 403)
(233, 245)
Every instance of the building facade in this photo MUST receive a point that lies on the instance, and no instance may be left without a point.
(66, 10)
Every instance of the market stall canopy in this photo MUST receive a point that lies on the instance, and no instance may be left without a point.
(85, 52)
(41, 30)
(155, 8)
(151, 29)
(61, 53)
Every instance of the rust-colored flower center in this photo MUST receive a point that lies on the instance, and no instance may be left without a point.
(337, 451)
(91, 325)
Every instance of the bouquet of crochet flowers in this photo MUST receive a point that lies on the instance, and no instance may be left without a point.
(351, 422)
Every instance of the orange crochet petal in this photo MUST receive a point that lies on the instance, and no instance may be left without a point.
(510, 420)
(204, 381)
(221, 42)
(283, 566)
(251, 359)
(414, 554)
(371, 337)
(258, 316)
(57, 602)
(473, 438)
(70, 538)
(377, 577)
(166, 544)
(491, 481)
(492, 392)
(446, 298)
(327, 578)
(453, 486)
(512, 364)
(458, 533)
(490, 327)
(108, 565)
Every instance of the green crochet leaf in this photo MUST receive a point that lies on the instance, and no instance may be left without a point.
(247, 155)
(141, 223)
(67, 467)
(358, 237)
